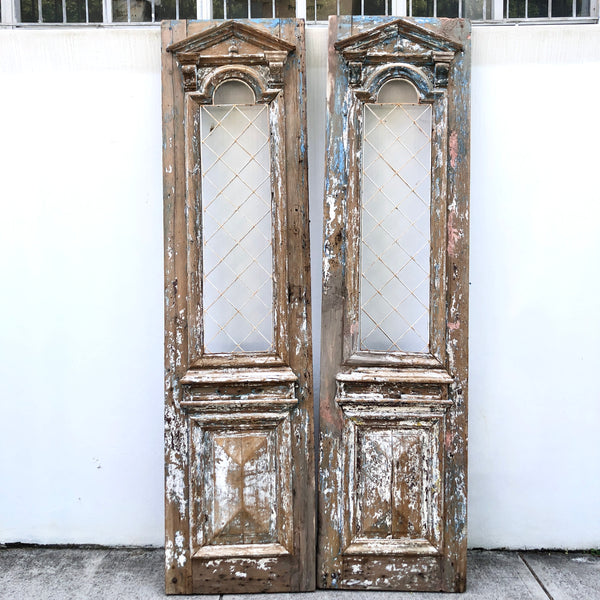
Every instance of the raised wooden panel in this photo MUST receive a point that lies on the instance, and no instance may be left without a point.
(394, 480)
(392, 506)
(240, 482)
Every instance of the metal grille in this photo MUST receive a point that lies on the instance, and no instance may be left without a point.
(395, 228)
(236, 226)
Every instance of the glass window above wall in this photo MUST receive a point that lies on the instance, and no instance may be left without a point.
(117, 12)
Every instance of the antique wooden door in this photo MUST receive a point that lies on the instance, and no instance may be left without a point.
(392, 497)
(238, 419)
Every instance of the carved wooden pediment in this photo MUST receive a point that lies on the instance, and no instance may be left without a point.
(229, 45)
(400, 42)
(231, 41)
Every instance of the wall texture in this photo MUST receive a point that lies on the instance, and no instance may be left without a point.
(81, 265)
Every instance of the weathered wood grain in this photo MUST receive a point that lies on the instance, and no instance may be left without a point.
(238, 435)
(393, 424)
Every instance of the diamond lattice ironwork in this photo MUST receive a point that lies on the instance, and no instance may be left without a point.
(395, 228)
(236, 226)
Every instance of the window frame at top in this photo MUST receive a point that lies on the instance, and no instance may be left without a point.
(498, 13)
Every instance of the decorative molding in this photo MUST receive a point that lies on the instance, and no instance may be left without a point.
(400, 49)
(232, 50)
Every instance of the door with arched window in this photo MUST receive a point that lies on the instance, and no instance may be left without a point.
(392, 503)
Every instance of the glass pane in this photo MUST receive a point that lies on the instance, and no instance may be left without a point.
(539, 8)
(52, 11)
(398, 91)
(233, 92)
(78, 12)
(447, 8)
(135, 11)
(395, 227)
(29, 11)
(477, 9)
(560, 8)
(187, 9)
(422, 8)
(217, 7)
(237, 9)
(583, 8)
(324, 8)
(236, 229)
(285, 8)
(514, 9)
(373, 7)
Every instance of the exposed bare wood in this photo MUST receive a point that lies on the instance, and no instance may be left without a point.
(393, 423)
(244, 466)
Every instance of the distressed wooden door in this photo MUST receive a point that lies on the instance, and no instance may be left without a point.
(238, 419)
(392, 508)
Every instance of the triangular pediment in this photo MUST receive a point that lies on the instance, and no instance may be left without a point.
(396, 38)
(230, 38)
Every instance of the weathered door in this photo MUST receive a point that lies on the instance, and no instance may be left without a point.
(238, 434)
(392, 508)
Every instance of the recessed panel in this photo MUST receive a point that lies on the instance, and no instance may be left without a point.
(241, 482)
(396, 475)
(244, 491)
(395, 243)
(237, 253)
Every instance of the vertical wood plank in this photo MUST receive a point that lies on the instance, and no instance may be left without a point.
(457, 308)
(178, 575)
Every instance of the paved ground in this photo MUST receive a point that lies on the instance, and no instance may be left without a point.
(136, 574)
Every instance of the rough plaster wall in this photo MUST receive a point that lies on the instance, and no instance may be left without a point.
(81, 262)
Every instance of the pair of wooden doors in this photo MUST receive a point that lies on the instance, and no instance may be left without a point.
(239, 442)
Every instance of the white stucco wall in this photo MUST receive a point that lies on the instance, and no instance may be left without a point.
(81, 266)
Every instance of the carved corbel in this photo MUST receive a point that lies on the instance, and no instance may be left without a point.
(442, 62)
(355, 69)
(275, 62)
(189, 77)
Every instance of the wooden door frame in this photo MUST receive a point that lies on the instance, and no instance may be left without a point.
(395, 389)
(269, 392)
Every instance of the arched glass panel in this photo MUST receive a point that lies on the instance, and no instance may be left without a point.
(233, 91)
(398, 91)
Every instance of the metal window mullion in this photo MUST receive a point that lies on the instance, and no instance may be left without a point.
(362, 8)
(64, 10)
(204, 9)
(301, 9)
(574, 5)
(87, 11)
(273, 9)
(224, 9)
(11, 12)
(549, 9)
(434, 9)
(129, 11)
(399, 8)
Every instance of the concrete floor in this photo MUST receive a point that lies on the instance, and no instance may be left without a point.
(40, 573)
